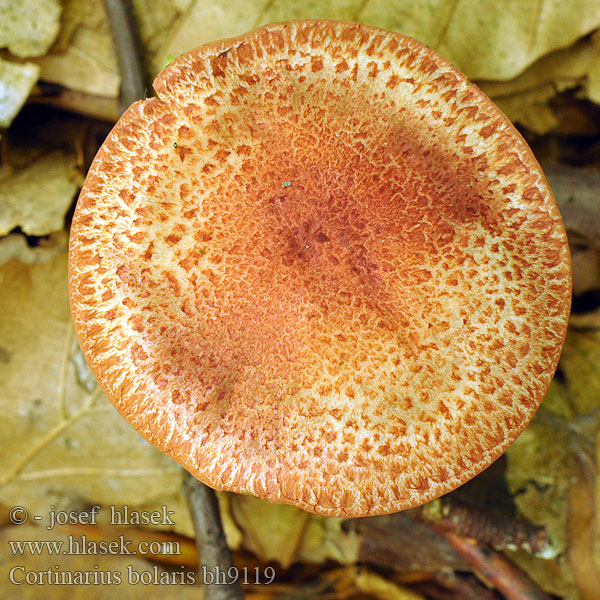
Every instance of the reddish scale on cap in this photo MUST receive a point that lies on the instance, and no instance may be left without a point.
(322, 268)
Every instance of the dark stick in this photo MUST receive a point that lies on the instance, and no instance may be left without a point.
(128, 47)
(214, 556)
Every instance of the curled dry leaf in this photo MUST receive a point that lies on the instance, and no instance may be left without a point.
(37, 197)
(526, 98)
(531, 108)
(60, 444)
(563, 68)
(16, 83)
(28, 27)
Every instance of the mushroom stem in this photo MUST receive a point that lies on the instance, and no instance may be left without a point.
(213, 553)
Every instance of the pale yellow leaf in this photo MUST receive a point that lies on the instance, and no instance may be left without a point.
(271, 531)
(37, 197)
(28, 27)
(375, 585)
(16, 83)
(88, 64)
(563, 68)
(15, 247)
(592, 84)
(530, 108)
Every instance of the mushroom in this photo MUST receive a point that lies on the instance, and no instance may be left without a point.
(321, 268)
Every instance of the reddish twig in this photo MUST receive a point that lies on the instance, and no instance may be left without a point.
(496, 568)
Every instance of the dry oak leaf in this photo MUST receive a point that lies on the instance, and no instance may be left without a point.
(486, 39)
(60, 444)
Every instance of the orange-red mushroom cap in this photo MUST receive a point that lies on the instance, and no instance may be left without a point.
(321, 268)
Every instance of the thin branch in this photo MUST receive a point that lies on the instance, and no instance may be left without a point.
(128, 47)
(496, 568)
(215, 559)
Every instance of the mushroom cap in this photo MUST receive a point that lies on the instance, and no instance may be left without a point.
(321, 268)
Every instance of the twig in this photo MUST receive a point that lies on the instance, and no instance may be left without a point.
(496, 568)
(214, 555)
(128, 47)
(462, 586)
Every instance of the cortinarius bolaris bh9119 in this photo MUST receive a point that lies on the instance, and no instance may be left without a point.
(321, 268)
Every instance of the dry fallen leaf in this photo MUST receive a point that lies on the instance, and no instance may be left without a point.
(16, 83)
(61, 444)
(564, 68)
(155, 21)
(551, 465)
(271, 531)
(285, 534)
(579, 362)
(37, 197)
(583, 553)
(486, 39)
(531, 108)
(15, 247)
(28, 27)
(539, 467)
(358, 579)
(88, 63)
(592, 84)
(526, 98)
(74, 13)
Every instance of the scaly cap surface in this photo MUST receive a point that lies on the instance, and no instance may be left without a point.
(323, 268)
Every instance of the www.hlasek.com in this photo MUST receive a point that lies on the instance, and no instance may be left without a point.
(82, 545)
